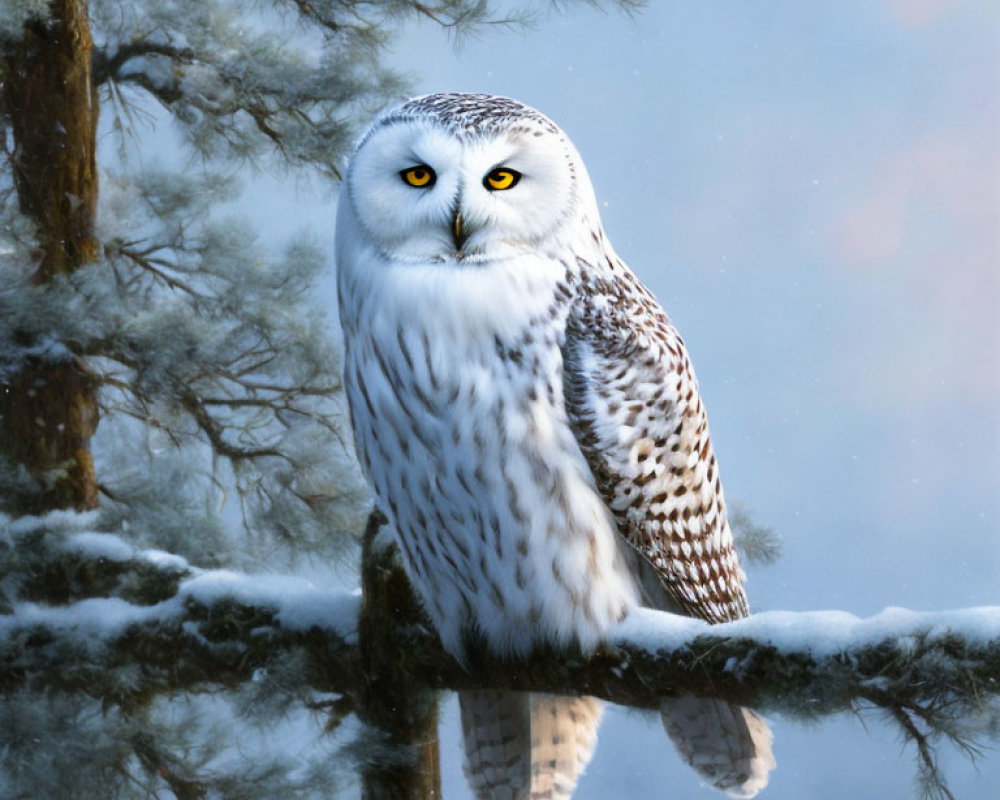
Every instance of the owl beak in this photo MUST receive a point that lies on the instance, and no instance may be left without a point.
(459, 234)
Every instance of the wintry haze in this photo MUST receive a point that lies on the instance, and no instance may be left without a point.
(812, 190)
(813, 193)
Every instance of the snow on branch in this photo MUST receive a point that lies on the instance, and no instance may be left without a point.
(217, 631)
(123, 623)
(88, 611)
(800, 663)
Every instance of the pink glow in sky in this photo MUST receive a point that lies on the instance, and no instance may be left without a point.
(928, 228)
(950, 181)
(917, 13)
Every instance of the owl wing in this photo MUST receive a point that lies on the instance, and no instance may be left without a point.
(633, 403)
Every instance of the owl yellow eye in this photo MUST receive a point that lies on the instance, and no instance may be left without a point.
(420, 176)
(501, 178)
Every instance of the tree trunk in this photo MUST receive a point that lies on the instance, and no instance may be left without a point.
(48, 410)
(395, 699)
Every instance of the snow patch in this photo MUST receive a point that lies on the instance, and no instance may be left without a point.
(100, 545)
(53, 520)
(819, 633)
(167, 561)
(111, 547)
(658, 630)
(92, 620)
(298, 604)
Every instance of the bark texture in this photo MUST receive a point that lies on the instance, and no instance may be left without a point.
(935, 677)
(395, 698)
(48, 409)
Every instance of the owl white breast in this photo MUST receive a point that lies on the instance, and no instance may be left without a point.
(530, 424)
(522, 408)
(456, 278)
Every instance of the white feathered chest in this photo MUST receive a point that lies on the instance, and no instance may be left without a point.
(454, 377)
(528, 420)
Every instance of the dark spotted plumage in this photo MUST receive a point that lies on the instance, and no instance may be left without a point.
(634, 405)
(476, 113)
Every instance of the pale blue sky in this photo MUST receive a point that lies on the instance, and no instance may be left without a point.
(812, 190)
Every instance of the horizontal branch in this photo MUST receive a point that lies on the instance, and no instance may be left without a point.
(218, 627)
(108, 62)
(215, 632)
(799, 663)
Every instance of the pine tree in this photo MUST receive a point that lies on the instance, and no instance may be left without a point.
(166, 380)
(172, 426)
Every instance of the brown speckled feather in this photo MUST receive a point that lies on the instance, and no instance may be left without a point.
(633, 402)
(523, 746)
(634, 405)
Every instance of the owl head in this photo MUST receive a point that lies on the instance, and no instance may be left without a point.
(465, 178)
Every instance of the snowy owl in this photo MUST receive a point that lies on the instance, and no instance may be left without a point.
(530, 425)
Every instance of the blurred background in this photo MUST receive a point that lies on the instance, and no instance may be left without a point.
(812, 191)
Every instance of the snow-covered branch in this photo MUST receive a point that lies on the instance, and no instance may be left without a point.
(219, 630)
(162, 625)
(212, 628)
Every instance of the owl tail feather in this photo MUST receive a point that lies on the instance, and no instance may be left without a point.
(728, 745)
(521, 746)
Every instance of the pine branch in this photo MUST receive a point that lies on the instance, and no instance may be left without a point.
(107, 62)
(797, 663)
(172, 627)
(167, 767)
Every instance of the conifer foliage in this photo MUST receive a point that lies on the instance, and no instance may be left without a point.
(167, 378)
(172, 432)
